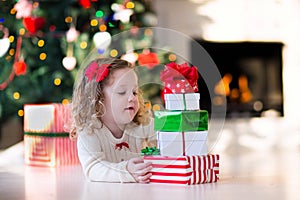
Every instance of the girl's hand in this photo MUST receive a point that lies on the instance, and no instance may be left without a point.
(139, 169)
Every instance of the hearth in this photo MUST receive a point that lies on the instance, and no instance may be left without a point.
(251, 73)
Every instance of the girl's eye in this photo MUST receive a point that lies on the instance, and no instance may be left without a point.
(135, 93)
(121, 93)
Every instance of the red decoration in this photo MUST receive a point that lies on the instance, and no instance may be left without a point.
(20, 68)
(85, 3)
(100, 72)
(33, 24)
(121, 145)
(148, 59)
(11, 76)
(52, 28)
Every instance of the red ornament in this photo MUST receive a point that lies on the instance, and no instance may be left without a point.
(33, 24)
(20, 68)
(148, 59)
(85, 3)
(52, 28)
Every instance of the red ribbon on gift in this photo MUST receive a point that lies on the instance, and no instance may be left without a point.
(173, 72)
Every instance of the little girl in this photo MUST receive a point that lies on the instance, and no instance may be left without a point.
(111, 123)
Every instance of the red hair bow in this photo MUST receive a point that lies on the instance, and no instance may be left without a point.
(98, 71)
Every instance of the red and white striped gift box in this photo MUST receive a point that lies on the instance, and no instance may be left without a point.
(184, 170)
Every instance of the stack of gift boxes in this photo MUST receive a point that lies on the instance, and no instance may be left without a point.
(182, 131)
(46, 139)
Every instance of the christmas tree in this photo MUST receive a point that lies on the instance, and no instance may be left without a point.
(49, 40)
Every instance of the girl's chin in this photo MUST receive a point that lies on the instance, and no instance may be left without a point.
(127, 119)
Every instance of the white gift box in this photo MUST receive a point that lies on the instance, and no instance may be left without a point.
(187, 101)
(182, 143)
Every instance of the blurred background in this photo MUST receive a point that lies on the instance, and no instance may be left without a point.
(254, 44)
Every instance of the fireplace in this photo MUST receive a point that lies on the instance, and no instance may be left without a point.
(251, 73)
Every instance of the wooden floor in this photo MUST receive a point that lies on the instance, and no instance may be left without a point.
(254, 164)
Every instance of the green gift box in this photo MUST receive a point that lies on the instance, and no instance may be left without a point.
(180, 121)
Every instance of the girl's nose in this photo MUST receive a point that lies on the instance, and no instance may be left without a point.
(131, 97)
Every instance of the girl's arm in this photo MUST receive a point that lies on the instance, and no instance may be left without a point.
(94, 165)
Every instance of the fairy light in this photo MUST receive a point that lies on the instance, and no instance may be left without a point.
(94, 22)
(156, 107)
(130, 5)
(65, 101)
(52, 28)
(102, 27)
(22, 31)
(99, 13)
(41, 43)
(11, 39)
(43, 56)
(13, 11)
(16, 95)
(21, 113)
(11, 52)
(111, 24)
(57, 81)
(83, 45)
(113, 53)
(172, 57)
(8, 57)
(68, 19)
(35, 5)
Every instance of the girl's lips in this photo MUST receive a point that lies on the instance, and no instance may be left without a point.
(129, 108)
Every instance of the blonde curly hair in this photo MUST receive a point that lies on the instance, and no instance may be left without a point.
(88, 96)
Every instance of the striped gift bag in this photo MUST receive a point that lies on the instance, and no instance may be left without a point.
(184, 170)
(46, 141)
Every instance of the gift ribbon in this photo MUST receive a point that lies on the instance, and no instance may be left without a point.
(183, 143)
(47, 134)
(150, 151)
(184, 102)
(175, 71)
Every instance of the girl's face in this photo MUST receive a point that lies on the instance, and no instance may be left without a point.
(120, 97)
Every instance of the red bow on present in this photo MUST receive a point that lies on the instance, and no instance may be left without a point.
(175, 71)
(121, 145)
(100, 72)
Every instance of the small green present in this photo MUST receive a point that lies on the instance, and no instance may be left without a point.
(180, 121)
